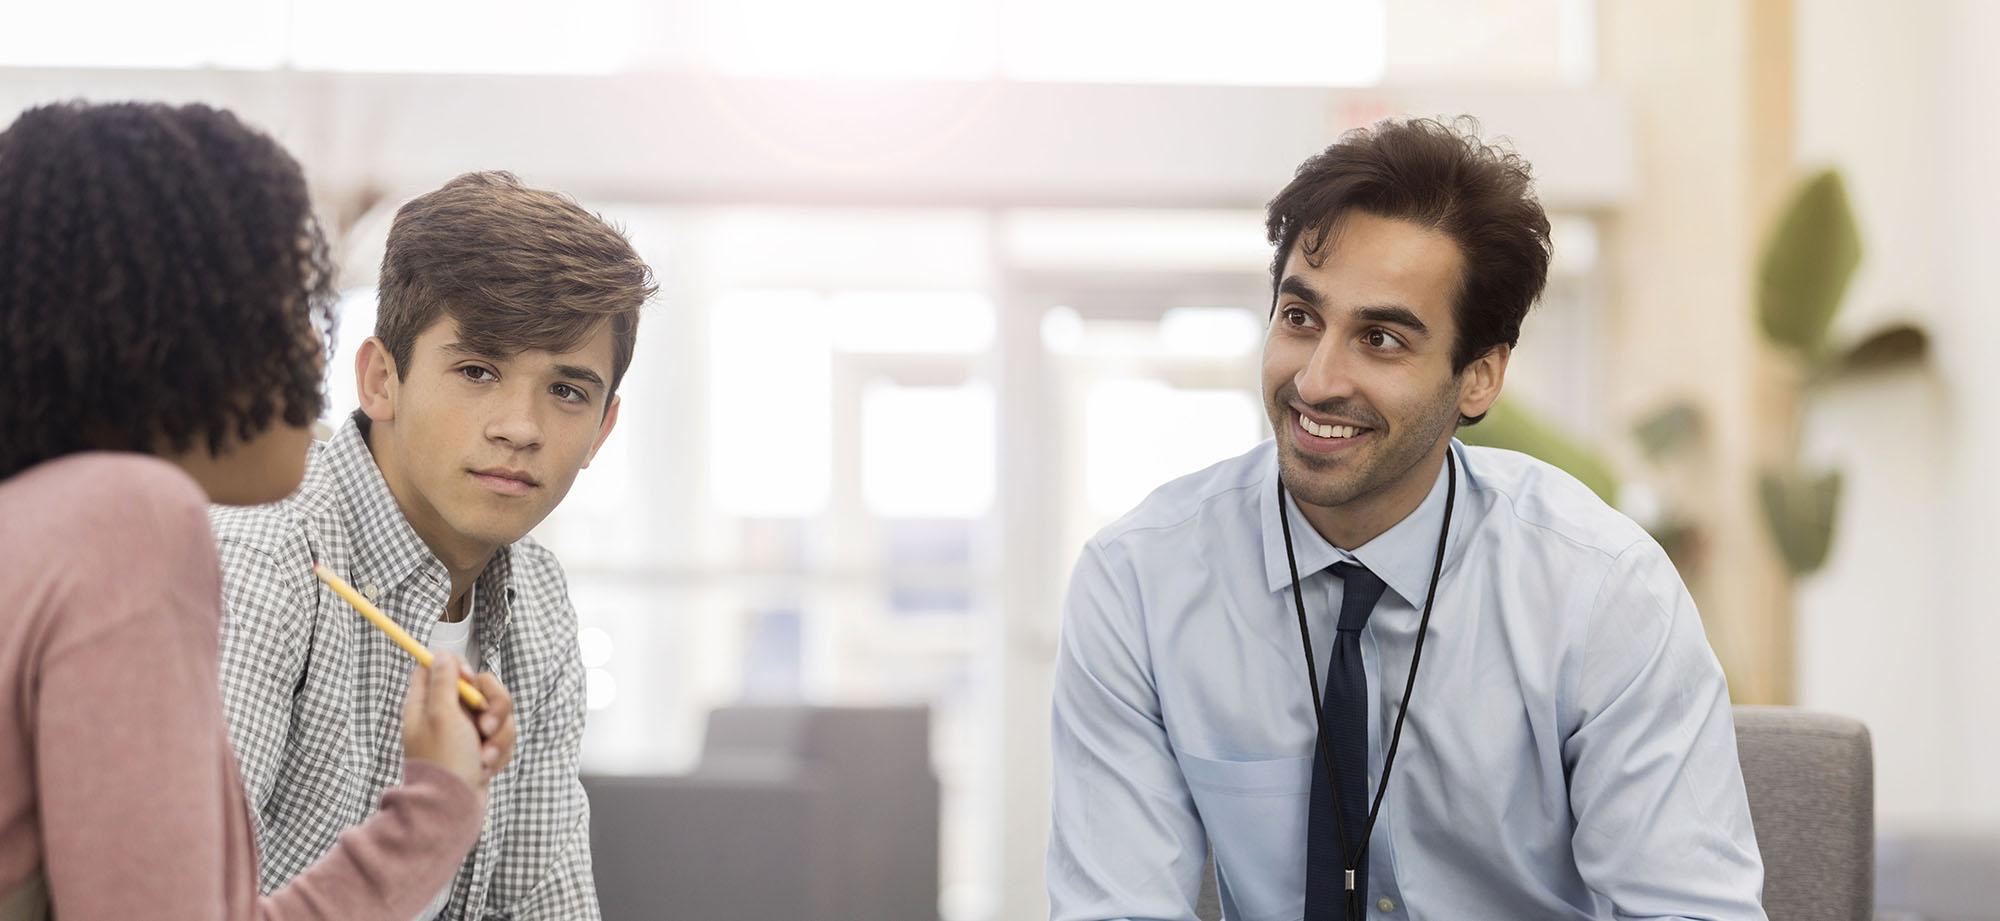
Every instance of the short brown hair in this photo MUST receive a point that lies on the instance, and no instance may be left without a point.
(518, 268)
(1442, 177)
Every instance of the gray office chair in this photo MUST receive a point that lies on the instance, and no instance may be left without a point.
(1811, 781)
(821, 813)
(1810, 778)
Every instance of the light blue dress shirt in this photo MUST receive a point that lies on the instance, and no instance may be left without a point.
(1569, 752)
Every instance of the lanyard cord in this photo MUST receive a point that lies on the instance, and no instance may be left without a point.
(1353, 861)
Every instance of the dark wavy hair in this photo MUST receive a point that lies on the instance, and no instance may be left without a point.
(161, 281)
(1440, 176)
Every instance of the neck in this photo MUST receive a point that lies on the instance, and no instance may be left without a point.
(464, 558)
(1354, 523)
(460, 605)
(462, 577)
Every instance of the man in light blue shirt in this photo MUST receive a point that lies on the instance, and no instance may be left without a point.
(1568, 751)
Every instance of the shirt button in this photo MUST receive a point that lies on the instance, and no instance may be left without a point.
(1386, 905)
(370, 592)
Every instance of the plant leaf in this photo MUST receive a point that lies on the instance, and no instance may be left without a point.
(1807, 263)
(1799, 507)
(1887, 348)
(1669, 429)
(1512, 426)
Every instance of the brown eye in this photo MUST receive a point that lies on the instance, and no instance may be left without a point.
(1381, 339)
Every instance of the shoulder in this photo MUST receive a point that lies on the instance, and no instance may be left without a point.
(1164, 549)
(266, 552)
(529, 556)
(87, 499)
(281, 529)
(1593, 560)
(1228, 489)
(103, 535)
(537, 573)
(541, 636)
(1532, 501)
(543, 613)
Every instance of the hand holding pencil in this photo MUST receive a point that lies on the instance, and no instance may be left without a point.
(437, 728)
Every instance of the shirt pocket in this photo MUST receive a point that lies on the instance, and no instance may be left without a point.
(1255, 815)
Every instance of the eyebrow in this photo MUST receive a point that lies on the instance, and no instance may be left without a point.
(1386, 314)
(475, 352)
(573, 372)
(1393, 315)
(581, 373)
(1297, 287)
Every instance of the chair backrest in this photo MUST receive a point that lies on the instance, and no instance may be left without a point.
(1810, 779)
(1811, 782)
(794, 812)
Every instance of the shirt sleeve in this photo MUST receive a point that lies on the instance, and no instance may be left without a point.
(139, 811)
(267, 622)
(130, 757)
(393, 864)
(1662, 822)
(552, 857)
(1125, 841)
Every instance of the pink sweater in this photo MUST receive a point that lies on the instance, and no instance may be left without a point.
(117, 783)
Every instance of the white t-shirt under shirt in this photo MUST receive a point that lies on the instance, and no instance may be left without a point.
(461, 640)
(458, 638)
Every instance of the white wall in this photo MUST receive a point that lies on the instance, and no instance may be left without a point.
(690, 138)
(1970, 139)
(1899, 629)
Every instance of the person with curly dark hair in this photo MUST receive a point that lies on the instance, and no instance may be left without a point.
(165, 287)
(163, 314)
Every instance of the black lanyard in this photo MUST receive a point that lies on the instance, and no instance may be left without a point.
(1353, 861)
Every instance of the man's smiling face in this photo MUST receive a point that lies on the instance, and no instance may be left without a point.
(1357, 376)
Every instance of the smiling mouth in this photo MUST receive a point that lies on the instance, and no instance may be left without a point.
(1325, 438)
(1329, 431)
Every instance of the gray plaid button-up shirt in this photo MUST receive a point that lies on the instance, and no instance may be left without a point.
(314, 693)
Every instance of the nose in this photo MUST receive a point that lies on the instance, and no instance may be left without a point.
(1325, 375)
(517, 422)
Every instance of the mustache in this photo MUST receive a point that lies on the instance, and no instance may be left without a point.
(1288, 395)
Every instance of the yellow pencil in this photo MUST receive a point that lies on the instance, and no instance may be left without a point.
(470, 694)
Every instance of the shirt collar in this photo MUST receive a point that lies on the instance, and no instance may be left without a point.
(1403, 555)
(496, 585)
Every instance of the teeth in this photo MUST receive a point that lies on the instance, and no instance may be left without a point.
(1328, 431)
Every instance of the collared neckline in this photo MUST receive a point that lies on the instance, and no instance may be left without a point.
(1403, 556)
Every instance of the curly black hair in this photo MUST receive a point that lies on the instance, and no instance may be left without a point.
(162, 278)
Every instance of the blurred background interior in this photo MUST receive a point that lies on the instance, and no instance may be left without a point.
(949, 284)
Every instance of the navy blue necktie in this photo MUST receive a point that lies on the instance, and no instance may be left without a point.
(1346, 712)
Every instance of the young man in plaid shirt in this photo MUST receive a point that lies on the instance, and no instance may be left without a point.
(506, 319)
